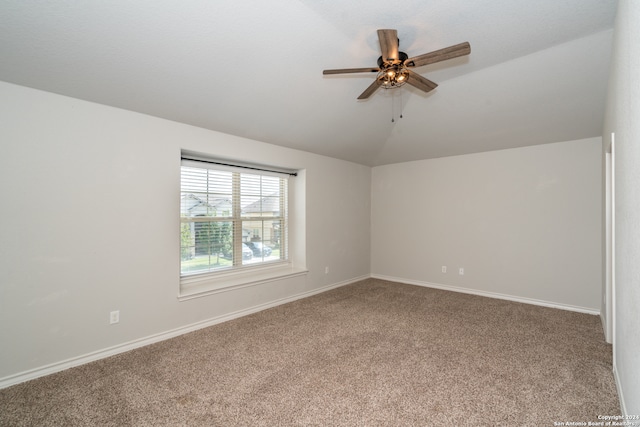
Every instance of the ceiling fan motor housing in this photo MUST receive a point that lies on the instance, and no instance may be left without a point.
(386, 64)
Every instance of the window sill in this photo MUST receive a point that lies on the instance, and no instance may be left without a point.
(204, 285)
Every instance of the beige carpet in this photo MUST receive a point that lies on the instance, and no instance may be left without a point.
(373, 353)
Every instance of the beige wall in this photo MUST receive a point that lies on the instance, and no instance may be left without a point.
(524, 223)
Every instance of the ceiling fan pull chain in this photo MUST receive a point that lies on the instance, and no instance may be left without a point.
(393, 111)
(393, 107)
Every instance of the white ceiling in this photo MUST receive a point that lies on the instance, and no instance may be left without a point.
(537, 72)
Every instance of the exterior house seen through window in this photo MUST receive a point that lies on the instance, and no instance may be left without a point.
(230, 218)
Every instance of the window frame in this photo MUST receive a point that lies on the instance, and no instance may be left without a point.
(238, 275)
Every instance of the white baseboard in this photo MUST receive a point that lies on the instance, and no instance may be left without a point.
(623, 406)
(603, 322)
(131, 345)
(532, 301)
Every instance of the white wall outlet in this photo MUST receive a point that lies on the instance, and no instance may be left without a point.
(461, 271)
(444, 268)
(114, 317)
(326, 270)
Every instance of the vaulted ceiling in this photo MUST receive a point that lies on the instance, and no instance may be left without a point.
(537, 72)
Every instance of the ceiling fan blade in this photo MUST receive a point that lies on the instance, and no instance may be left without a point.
(371, 89)
(351, 70)
(389, 45)
(424, 84)
(439, 55)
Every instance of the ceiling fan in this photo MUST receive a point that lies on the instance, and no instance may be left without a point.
(394, 67)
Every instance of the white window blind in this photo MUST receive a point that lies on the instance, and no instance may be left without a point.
(231, 217)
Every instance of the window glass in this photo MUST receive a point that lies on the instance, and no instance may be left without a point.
(230, 219)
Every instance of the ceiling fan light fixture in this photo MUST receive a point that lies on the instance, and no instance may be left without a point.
(393, 76)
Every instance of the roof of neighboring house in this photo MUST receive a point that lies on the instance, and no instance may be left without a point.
(270, 203)
(196, 206)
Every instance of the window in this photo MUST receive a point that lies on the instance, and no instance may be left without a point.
(231, 218)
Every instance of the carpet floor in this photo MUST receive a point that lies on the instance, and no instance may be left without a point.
(373, 353)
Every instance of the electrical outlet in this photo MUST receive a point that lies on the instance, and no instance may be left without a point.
(114, 317)
(444, 268)
(461, 271)
(326, 270)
